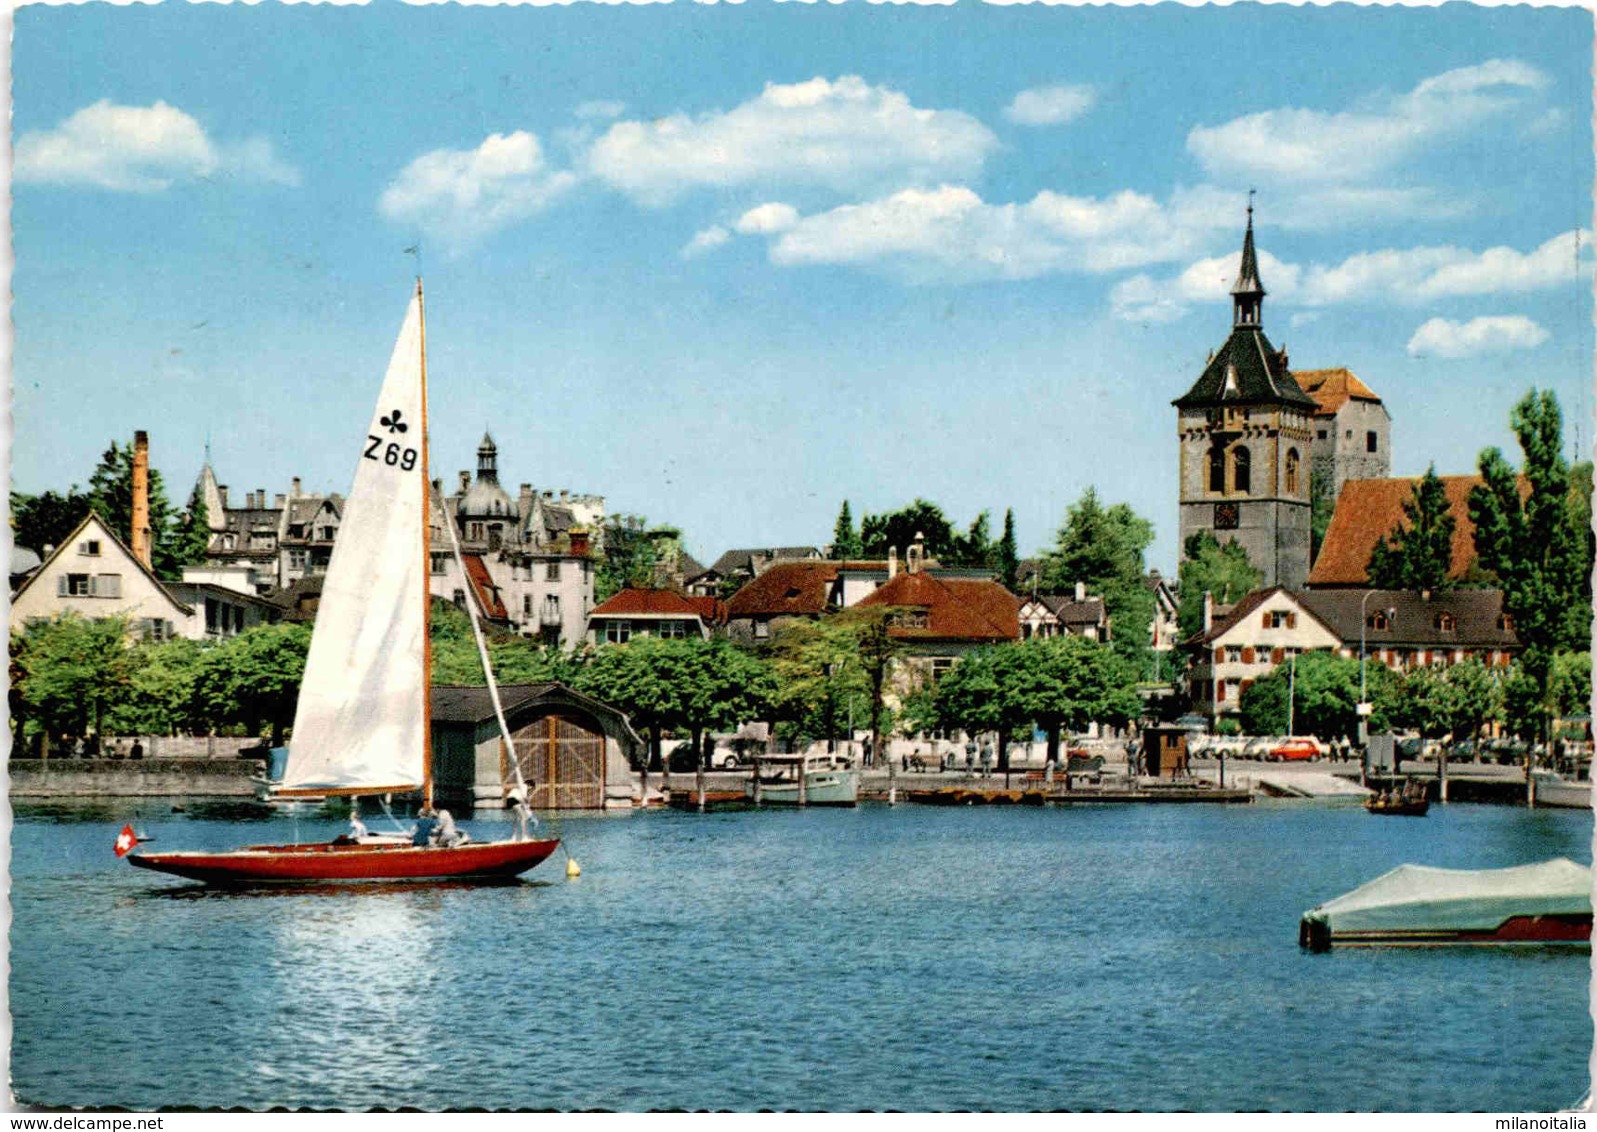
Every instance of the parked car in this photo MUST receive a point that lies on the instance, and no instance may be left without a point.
(1294, 750)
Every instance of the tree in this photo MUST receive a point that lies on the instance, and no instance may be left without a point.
(975, 547)
(1068, 683)
(253, 679)
(164, 690)
(191, 533)
(899, 529)
(1103, 547)
(1535, 545)
(45, 520)
(985, 691)
(1322, 505)
(637, 678)
(631, 555)
(846, 543)
(720, 686)
(1418, 553)
(1213, 568)
(819, 672)
(1008, 555)
(1324, 691)
(73, 670)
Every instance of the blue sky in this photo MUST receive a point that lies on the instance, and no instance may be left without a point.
(730, 265)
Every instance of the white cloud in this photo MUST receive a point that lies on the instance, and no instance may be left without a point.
(1049, 105)
(1494, 334)
(460, 196)
(950, 234)
(1406, 276)
(1294, 145)
(767, 219)
(707, 240)
(140, 149)
(845, 135)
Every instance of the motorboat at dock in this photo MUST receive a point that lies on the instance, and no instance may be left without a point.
(1416, 905)
(804, 780)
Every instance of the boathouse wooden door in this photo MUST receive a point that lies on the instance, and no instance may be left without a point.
(562, 759)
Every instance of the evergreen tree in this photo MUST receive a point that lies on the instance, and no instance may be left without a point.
(1103, 547)
(1209, 567)
(1535, 544)
(899, 529)
(46, 519)
(191, 533)
(1008, 563)
(846, 543)
(1418, 553)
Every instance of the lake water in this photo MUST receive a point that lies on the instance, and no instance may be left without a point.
(904, 958)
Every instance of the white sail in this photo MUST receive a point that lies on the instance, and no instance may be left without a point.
(361, 722)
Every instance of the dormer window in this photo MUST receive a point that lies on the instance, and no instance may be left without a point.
(1505, 622)
(1378, 620)
(1445, 623)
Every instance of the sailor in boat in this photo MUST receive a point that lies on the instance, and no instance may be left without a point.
(521, 811)
(448, 835)
(426, 829)
(357, 828)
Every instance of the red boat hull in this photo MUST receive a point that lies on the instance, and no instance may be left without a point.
(332, 861)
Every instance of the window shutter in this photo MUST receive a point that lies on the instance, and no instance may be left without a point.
(1276, 656)
(60, 585)
(1219, 655)
(1242, 689)
(1291, 620)
(109, 585)
(1247, 655)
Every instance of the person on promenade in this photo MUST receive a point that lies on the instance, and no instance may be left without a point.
(970, 756)
(138, 750)
(986, 758)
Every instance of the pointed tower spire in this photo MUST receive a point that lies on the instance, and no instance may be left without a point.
(487, 460)
(1247, 294)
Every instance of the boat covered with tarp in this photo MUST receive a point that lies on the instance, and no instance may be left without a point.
(1546, 903)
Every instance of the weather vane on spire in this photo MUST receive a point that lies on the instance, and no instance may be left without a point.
(1250, 204)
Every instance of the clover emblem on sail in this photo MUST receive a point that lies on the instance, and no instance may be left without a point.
(393, 423)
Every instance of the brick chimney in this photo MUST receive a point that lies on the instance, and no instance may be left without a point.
(579, 543)
(915, 556)
(141, 533)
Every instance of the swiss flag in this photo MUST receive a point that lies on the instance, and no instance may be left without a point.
(125, 841)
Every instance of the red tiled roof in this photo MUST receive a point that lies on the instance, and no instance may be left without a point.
(711, 610)
(958, 609)
(488, 594)
(786, 589)
(646, 603)
(1368, 510)
(1333, 388)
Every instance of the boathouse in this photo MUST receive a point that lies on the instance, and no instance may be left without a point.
(574, 751)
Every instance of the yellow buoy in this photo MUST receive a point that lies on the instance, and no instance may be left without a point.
(572, 868)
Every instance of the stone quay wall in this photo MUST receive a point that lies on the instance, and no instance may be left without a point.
(135, 778)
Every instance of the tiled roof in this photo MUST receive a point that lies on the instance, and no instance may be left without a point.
(1246, 370)
(1235, 614)
(711, 610)
(958, 609)
(1475, 616)
(1333, 388)
(487, 593)
(647, 603)
(1073, 612)
(786, 589)
(1368, 510)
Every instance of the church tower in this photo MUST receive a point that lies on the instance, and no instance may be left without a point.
(1245, 430)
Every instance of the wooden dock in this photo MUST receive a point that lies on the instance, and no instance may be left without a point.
(1081, 795)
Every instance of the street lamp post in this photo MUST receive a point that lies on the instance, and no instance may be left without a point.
(1364, 700)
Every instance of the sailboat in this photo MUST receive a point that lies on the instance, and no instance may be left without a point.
(363, 724)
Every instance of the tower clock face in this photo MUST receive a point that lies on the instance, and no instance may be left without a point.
(1225, 516)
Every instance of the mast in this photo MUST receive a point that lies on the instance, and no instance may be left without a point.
(426, 567)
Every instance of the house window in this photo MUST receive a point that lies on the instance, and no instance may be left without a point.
(325, 534)
(90, 549)
(617, 632)
(941, 666)
(460, 598)
(75, 585)
(438, 562)
(1445, 623)
(762, 630)
(156, 630)
(1280, 619)
(1505, 622)
(495, 537)
(262, 540)
(297, 559)
(1322, 434)
(1378, 620)
(1233, 654)
(526, 605)
(474, 532)
(911, 619)
(1370, 442)
(1241, 470)
(551, 609)
(674, 630)
(1217, 470)
(1292, 471)
(551, 572)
